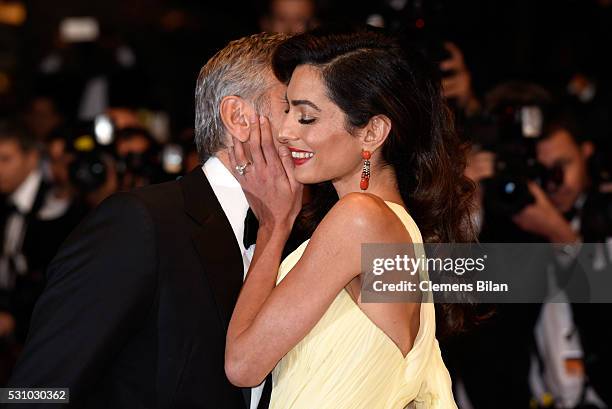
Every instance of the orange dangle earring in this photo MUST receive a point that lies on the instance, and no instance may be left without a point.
(365, 173)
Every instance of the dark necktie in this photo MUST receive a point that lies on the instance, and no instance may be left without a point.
(250, 229)
(266, 394)
(7, 209)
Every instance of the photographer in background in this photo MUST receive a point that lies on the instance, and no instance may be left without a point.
(586, 217)
(570, 338)
(33, 223)
(533, 165)
(138, 161)
(104, 159)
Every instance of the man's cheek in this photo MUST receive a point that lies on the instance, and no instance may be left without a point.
(571, 181)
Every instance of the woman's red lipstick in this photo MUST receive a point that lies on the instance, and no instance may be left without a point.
(300, 156)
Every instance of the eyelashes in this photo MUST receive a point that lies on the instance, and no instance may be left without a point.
(303, 121)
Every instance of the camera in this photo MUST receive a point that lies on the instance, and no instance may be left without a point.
(511, 132)
(91, 146)
(141, 160)
(131, 154)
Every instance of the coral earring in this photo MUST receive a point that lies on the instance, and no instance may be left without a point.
(365, 173)
(364, 184)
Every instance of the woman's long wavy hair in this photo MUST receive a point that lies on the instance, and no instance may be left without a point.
(367, 73)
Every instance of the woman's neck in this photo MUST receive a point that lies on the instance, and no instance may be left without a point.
(383, 183)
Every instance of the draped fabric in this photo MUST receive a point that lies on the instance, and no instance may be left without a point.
(347, 362)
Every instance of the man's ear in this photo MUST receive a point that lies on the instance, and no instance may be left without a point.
(235, 113)
(375, 132)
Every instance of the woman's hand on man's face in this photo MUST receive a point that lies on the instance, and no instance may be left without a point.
(268, 180)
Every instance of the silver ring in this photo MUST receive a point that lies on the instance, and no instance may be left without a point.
(241, 169)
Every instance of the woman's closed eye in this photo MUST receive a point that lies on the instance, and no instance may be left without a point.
(305, 120)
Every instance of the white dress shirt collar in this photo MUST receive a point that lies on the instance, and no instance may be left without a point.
(220, 175)
(229, 194)
(23, 198)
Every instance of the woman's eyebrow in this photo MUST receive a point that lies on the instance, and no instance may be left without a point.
(296, 102)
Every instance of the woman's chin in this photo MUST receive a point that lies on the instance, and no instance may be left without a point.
(306, 179)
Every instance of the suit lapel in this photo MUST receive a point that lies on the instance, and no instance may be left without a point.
(215, 243)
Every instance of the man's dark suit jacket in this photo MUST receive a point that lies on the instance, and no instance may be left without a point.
(137, 303)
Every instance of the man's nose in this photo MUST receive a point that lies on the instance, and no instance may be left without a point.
(286, 134)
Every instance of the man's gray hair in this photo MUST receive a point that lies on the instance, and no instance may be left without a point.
(243, 68)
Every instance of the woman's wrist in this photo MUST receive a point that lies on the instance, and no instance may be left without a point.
(274, 231)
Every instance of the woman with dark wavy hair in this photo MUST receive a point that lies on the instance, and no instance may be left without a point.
(366, 121)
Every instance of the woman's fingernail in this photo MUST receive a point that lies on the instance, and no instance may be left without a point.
(262, 119)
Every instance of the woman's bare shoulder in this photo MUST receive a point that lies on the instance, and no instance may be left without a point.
(363, 218)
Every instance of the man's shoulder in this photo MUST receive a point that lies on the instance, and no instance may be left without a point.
(145, 204)
(159, 194)
(173, 194)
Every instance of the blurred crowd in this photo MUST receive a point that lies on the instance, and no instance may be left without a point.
(92, 104)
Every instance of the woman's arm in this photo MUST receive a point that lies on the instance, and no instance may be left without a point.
(268, 321)
(275, 198)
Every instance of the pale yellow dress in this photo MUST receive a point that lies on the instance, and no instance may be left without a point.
(347, 362)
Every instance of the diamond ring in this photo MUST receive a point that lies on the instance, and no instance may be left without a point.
(241, 169)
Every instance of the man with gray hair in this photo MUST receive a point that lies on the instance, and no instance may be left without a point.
(138, 299)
